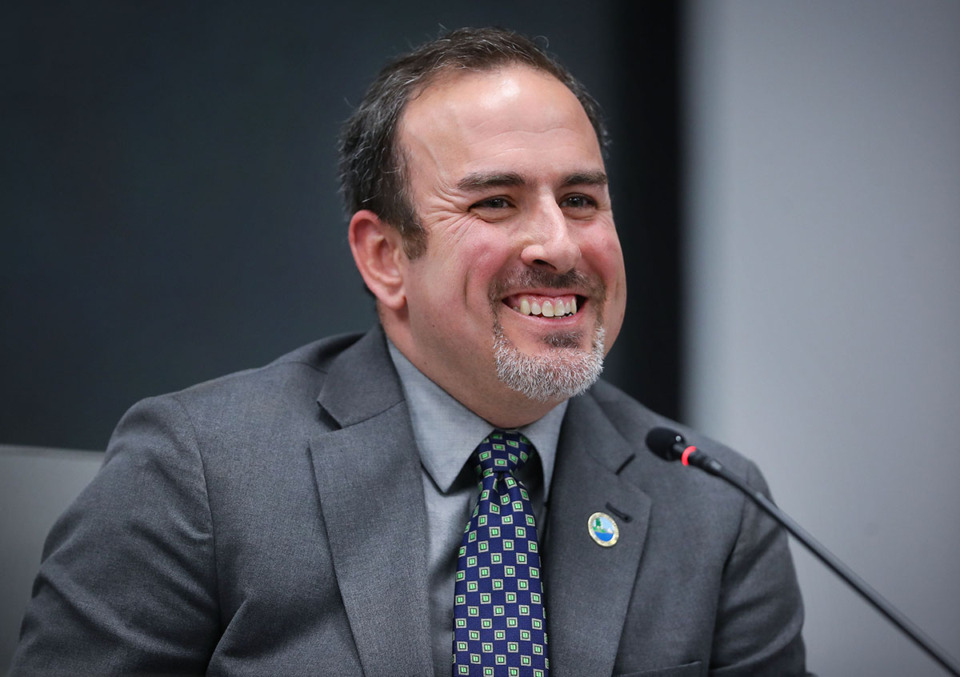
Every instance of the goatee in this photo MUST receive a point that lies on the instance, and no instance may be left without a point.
(566, 370)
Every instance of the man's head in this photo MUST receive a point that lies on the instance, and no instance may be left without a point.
(515, 287)
(372, 167)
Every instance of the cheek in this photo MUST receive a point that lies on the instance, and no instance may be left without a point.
(457, 286)
(602, 252)
(606, 258)
(615, 277)
(474, 264)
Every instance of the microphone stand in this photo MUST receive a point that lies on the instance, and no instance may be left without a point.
(908, 627)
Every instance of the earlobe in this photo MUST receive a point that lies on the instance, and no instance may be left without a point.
(378, 252)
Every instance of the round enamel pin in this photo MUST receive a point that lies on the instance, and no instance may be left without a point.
(603, 529)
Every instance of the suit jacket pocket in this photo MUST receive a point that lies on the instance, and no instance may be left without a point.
(685, 670)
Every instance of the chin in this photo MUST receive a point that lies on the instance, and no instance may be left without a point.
(559, 369)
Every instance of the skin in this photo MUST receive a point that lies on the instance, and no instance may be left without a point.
(506, 175)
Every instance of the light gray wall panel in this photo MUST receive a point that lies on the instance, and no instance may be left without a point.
(824, 316)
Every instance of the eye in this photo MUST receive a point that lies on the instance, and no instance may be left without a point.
(493, 209)
(492, 203)
(578, 201)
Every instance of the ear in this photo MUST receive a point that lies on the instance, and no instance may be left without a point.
(378, 252)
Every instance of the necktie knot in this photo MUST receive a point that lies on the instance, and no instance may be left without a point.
(502, 451)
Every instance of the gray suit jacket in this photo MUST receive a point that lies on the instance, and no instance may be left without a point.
(238, 528)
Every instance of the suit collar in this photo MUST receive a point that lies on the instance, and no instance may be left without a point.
(362, 382)
(378, 538)
(588, 586)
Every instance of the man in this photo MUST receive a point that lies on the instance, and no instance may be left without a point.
(239, 528)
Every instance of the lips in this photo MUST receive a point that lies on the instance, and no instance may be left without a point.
(535, 292)
(543, 306)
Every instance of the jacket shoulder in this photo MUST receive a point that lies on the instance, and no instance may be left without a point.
(280, 396)
(308, 363)
(633, 420)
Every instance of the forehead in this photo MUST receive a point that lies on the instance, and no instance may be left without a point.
(469, 115)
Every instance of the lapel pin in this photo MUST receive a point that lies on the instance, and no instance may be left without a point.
(603, 530)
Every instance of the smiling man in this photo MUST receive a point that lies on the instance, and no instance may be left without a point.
(453, 492)
(521, 279)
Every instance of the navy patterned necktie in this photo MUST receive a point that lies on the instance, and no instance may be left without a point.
(499, 626)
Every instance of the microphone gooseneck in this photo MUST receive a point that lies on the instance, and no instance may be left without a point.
(670, 446)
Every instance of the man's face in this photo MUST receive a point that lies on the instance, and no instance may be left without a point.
(523, 265)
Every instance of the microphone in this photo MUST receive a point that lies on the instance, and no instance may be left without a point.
(670, 446)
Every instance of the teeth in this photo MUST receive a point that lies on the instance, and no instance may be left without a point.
(554, 308)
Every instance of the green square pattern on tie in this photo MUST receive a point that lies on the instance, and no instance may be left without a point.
(499, 622)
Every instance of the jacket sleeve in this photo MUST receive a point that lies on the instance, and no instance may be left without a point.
(128, 578)
(760, 613)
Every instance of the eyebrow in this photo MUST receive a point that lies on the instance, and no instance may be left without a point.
(597, 178)
(480, 181)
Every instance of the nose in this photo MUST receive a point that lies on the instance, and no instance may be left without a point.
(550, 242)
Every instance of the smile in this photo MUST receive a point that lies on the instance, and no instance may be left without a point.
(543, 306)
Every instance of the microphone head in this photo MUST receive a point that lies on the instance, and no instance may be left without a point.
(665, 443)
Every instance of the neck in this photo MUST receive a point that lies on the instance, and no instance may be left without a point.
(511, 410)
(489, 398)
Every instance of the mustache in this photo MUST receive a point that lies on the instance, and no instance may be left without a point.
(536, 277)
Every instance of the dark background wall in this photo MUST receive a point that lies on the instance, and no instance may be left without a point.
(169, 206)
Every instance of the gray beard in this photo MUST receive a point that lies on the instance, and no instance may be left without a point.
(564, 372)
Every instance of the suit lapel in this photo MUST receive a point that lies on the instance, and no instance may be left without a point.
(588, 586)
(371, 497)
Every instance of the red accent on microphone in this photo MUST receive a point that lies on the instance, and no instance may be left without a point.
(686, 455)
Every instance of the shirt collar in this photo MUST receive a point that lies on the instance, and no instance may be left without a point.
(447, 432)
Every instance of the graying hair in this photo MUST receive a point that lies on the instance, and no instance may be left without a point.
(372, 164)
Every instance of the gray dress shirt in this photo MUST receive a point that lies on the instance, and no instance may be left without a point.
(446, 434)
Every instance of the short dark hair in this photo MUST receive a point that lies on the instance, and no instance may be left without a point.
(371, 162)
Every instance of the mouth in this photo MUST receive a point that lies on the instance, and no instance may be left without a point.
(557, 300)
(540, 305)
